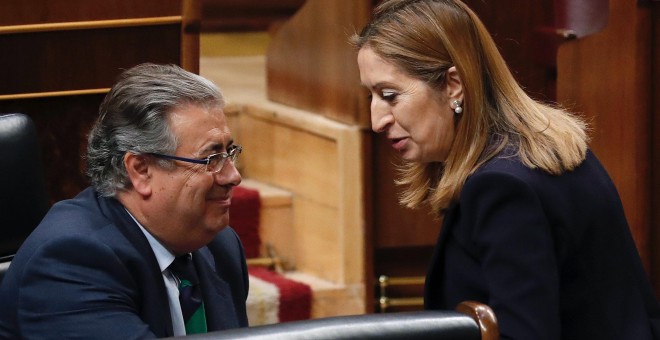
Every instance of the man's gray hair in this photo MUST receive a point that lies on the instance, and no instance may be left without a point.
(134, 117)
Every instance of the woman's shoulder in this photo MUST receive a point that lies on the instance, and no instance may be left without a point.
(506, 171)
(506, 161)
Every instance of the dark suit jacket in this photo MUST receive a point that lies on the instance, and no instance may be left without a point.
(88, 271)
(552, 255)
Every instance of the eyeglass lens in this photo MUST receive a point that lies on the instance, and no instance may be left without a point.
(217, 161)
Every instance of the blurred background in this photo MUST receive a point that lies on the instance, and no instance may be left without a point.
(329, 224)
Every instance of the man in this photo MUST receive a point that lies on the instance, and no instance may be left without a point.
(161, 162)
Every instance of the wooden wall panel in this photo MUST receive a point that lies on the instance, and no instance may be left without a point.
(62, 124)
(516, 27)
(311, 66)
(655, 201)
(607, 78)
(61, 56)
(394, 225)
(246, 15)
(62, 60)
(318, 161)
(23, 12)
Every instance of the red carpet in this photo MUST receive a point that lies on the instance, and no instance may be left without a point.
(244, 218)
(295, 297)
(272, 298)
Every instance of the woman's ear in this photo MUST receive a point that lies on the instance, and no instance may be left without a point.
(454, 84)
(139, 173)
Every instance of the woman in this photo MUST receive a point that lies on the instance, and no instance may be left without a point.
(532, 224)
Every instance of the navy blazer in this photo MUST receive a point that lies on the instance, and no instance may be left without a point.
(88, 271)
(552, 255)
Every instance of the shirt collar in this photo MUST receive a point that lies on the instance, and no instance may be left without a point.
(163, 256)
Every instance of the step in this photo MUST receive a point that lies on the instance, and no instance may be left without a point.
(276, 230)
(276, 221)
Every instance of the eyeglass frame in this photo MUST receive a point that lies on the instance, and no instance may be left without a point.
(233, 153)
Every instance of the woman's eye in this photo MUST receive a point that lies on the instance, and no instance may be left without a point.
(388, 95)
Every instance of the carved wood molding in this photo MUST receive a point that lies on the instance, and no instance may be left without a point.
(85, 25)
(53, 94)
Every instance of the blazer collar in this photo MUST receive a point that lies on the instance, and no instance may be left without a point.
(218, 302)
(157, 315)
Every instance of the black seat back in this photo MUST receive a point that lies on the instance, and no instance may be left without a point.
(449, 325)
(23, 195)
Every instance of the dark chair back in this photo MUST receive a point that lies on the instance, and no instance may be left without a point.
(23, 195)
(471, 321)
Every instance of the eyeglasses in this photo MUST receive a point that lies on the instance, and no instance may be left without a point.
(214, 163)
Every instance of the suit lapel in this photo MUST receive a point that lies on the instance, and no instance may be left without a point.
(219, 305)
(155, 309)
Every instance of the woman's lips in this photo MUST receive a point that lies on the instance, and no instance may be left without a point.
(398, 143)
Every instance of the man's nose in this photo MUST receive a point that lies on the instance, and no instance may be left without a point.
(228, 175)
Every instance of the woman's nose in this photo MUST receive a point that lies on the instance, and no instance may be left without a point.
(381, 118)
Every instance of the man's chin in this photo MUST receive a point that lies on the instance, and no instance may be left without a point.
(210, 233)
(218, 224)
(218, 220)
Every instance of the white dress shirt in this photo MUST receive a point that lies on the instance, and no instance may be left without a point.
(165, 258)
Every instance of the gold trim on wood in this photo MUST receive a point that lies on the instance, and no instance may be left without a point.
(86, 25)
(271, 261)
(52, 94)
(262, 261)
(385, 301)
(385, 280)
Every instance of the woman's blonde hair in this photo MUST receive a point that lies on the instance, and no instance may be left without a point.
(427, 37)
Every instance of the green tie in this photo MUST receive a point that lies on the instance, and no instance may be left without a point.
(190, 294)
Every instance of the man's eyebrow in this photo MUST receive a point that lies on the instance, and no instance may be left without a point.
(218, 147)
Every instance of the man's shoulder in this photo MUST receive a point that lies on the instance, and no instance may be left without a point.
(84, 217)
(81, 212)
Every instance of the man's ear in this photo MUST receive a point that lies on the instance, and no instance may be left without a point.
(454, 84)
(139, 173)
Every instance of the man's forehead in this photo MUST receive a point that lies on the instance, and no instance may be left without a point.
(201, 128)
